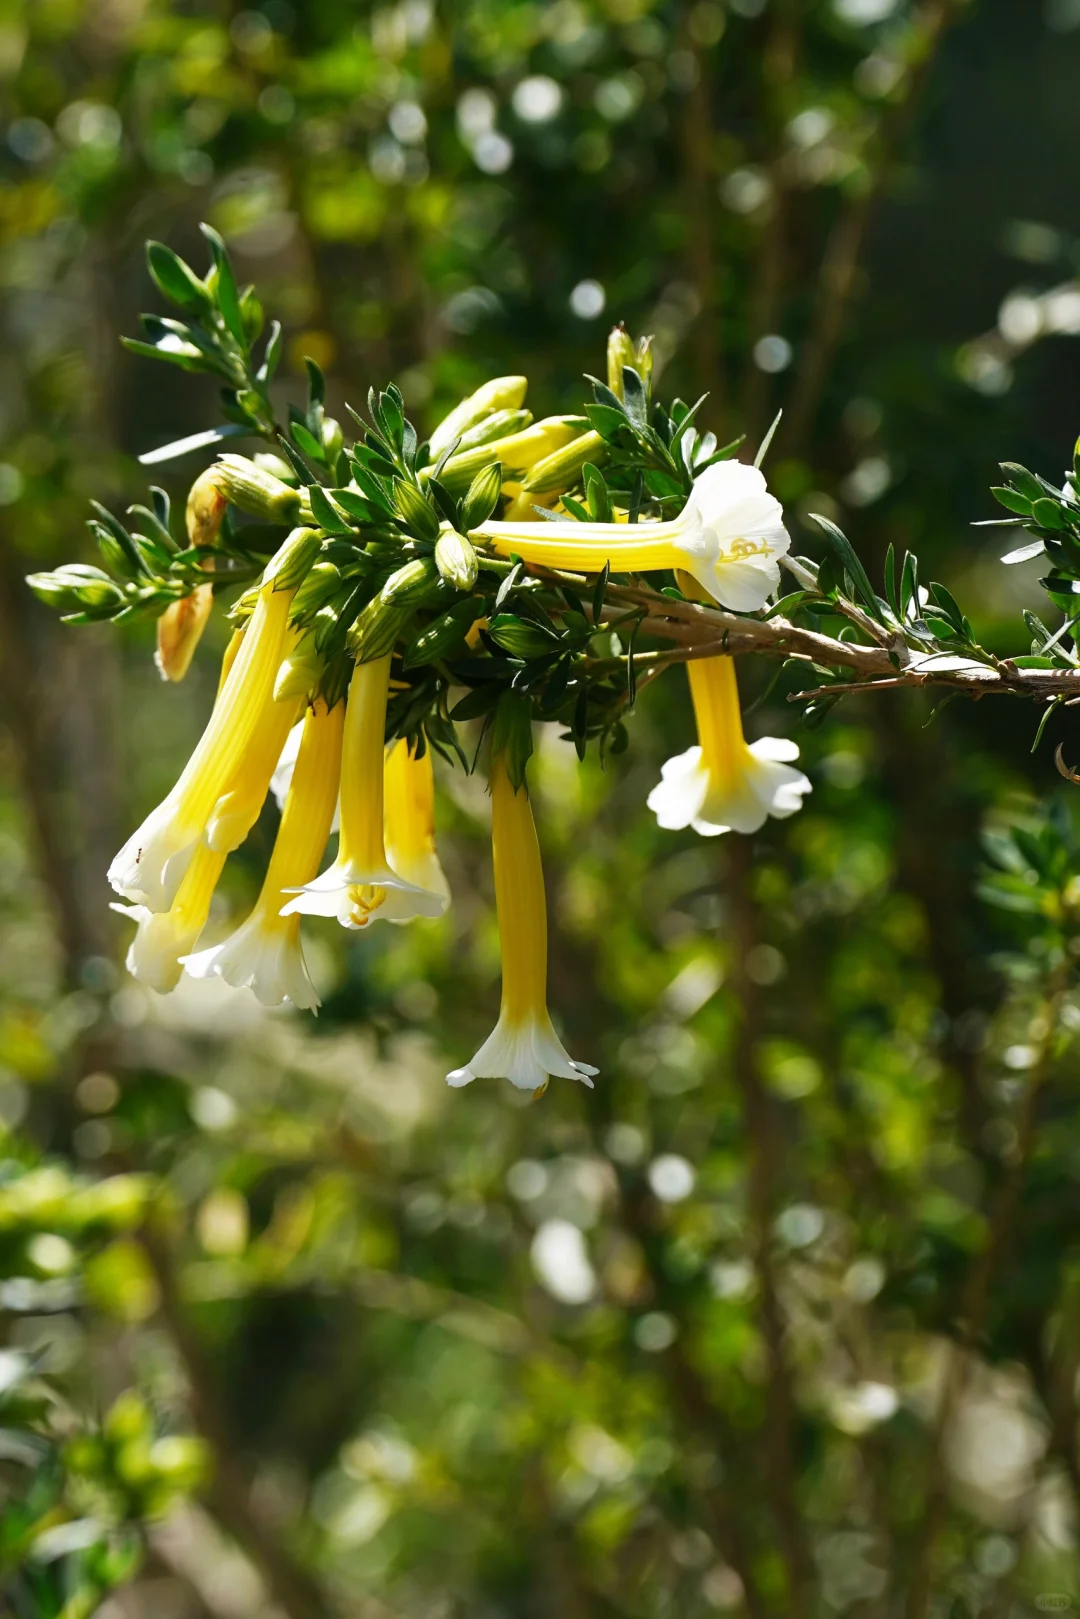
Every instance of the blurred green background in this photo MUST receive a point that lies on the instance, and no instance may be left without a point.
(782, 1319)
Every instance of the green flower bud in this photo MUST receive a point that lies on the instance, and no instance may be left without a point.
(253, 490)
(499, 425)
(414, 511)
(289, 567)
(456, 559)
(332, 439)
(376, 629)
(446, 632)
(620, 352)
(517, 453)
(76, 588)
(412, 584)
(482, 498)
(559, 472)
(321, 584)
(501, 393)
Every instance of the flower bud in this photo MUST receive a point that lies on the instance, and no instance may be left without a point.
(501, 393)
(376, 629)
(300, 672)
(445, 633)
(482, 498)
(517, 453)
(620, 352)
(412, 584)
(205, 508)
(179, 631)
(253, 490)
(559, 472)
(414, 511)
(317, 589)
(456, 559)
(289, 566)
(499, 425)
(332, 439)
(75, 588)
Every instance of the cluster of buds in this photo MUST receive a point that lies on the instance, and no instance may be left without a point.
(414, 586)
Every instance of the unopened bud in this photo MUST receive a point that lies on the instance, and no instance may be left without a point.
(559, 472)
(456, 559)
(75, 588)
(317, 589)
(518, 453)
(289, 566)
(414, 511)
(179, 631)
(501, 393)
(443, 634)
(300, 672)
(332, 439)
(620, 352)
(643, 360)
(499, 425)
(482, 498)
(256, 491)
(206, 505)
(376, 629)
(413, 584)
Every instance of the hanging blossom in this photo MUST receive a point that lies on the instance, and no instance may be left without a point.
(725, 784)
(265, 953)
(729, 536)
(523, 1047)
(409, 822)
(151, 865)
(360, 887)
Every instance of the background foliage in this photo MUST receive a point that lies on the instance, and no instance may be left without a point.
(785, 1317)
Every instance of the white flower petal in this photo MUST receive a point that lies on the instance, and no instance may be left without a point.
(526, 1054)
(262, 957)
(152, 863)
(677, 798)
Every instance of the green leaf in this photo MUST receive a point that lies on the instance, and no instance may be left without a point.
(176, 280)
(1011, 500)
(522, 638)
(849, 561)
(226, 293)
(325, 513)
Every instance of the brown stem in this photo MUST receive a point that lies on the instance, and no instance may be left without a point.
(762, 1146)
(975, 1305)
(229, 1497)
(840, 263)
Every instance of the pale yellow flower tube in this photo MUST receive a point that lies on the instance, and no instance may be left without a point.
(725, 784)
(163, 938)
(360, 886)
(409, 822)
(265, 953)
(523, 1046)
(729, 536)
(150, 867)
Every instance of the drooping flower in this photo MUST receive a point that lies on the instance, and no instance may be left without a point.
(360, 886)
(729, 536)
(265, 953)
(523, 1046)
(163, 938)
(725, 784)
(151, 865)
(409, 823)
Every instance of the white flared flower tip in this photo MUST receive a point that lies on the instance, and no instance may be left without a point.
(262, 957)
(153, 956)
(152, 863)
(732, 534)
(689, 795)
(357, 898)
(526, 1054)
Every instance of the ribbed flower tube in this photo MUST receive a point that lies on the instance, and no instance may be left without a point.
(409, 824)
(725, 784)
(523, 1047)
(163, 938)
(265, 953)
(729, 536)
(360, 886)
(151, 865)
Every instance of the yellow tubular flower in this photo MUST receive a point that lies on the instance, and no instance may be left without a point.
(150, 867)
(163, 938)
(729, 536)
(523, 1046)
(265, 953)
(725, 784)
(409, 823)
(237, 810)
(360, 887)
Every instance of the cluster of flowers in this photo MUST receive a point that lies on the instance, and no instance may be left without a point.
(329, 762)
